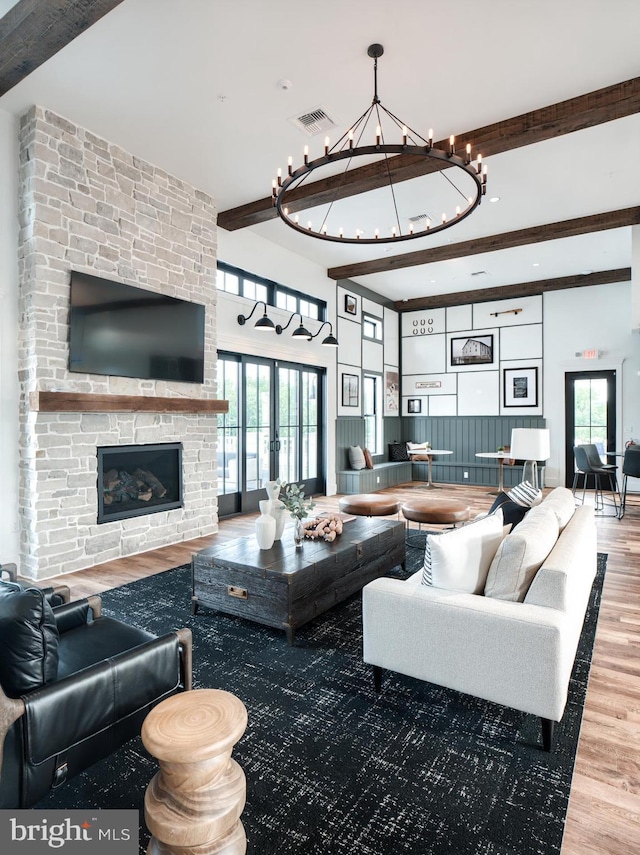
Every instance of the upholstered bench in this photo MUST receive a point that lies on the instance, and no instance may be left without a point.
(370, 505)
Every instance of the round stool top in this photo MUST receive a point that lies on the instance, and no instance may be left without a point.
(435, 511)
(370, 505)
(193, 726)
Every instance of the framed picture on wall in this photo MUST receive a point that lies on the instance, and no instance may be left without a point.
(520, 387)
(350, 304)
(391, 393)
(414, 405)
(350, 390)
(472, 350)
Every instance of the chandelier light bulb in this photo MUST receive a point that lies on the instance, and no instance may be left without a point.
(274, 188)
(279, 177)
(393, 231)
(479, 164)
(410, 228)
(377, 234)
(326, 146)
(290, 165)
(468, 160)
(404, 135)
(378, 134)
(341, 232)
(430, 138)
(306, 155)
(444, 218)
(351, 139)
(452, 140)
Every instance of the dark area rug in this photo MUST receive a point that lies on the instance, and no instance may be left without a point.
(334, 769)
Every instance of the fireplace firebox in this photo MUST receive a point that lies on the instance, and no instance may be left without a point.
(134, 480)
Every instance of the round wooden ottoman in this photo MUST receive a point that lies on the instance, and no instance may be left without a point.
(436, 512)
(369, 505)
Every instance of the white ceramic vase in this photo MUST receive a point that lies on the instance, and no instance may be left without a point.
(279, 513)
(273, 490)
(265, 528)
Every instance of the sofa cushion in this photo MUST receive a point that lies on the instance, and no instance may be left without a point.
(367, 458)
(562, 503)
(356, 457)
(398, 451)
(525, 494)
(512, 513)
(459, 559)
(521, 554)
(28, 640)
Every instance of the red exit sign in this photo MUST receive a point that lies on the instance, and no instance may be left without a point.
(590, 354)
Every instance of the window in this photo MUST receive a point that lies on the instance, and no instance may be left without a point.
(372, 412)
(236, 281)
(371, 327)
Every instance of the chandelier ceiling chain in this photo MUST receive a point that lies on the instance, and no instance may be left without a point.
(349, 148)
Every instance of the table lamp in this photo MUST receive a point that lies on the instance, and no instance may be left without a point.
(530, 445)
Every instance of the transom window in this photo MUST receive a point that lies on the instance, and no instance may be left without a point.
(371, 327)
(233, 280)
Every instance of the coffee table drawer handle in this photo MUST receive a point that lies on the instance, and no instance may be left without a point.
(234, 591)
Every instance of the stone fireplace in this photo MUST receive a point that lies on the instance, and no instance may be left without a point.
(86, 204)
(134, 480)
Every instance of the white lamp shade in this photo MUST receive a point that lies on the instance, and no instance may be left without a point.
(530, 444)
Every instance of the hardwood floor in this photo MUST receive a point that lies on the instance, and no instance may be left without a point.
(604, 810)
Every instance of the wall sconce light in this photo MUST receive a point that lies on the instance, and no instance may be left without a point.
(330, 340)
(264, 323)
(299, 332)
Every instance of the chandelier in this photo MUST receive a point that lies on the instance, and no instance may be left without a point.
(326, 222)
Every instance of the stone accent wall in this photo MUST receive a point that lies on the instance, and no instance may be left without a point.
(86, 204)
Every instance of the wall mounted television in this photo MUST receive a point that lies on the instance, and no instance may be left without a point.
(124, 331)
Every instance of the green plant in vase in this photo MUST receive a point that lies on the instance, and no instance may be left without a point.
(293, 498)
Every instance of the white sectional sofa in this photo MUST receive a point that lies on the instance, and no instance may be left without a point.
(519, 654)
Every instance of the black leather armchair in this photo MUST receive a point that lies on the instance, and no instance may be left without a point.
(75, 686)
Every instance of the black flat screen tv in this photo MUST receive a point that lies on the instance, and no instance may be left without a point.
(124, 331)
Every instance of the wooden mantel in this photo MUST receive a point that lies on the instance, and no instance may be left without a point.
(78, 402)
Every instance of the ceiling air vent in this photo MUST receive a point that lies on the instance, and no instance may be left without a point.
(479, 273)
(419, 218)
(314, 122)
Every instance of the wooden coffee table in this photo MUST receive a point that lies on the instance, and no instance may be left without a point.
(285, 587)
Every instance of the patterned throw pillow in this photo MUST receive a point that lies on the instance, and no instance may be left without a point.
(398, 452)
(356, 457)
(367, 458)
(525, 494)
(459, 559)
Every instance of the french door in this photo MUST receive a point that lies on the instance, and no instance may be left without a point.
(590, 415)
(272, 429)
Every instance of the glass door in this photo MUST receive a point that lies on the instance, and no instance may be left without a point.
(271, 431)
(590, 415)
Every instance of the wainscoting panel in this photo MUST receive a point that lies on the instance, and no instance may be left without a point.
(465, 436)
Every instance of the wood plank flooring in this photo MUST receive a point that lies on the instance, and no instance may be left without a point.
(604, 809)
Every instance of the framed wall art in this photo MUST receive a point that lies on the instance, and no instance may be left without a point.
(414, 405)
(520, 387)
(472, 350)
(350, 383)
(350, 304)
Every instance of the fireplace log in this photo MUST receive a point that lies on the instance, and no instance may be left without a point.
(159, 490)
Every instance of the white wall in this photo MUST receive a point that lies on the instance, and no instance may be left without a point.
(581, 319)
(252, 253)
(9, 537)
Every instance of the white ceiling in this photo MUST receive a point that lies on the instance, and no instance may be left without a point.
(192, 86)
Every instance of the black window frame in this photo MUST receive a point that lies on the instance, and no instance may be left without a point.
(272, 289)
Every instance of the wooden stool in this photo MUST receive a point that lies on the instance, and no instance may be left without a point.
(194, 801)
(435, 512)
(369, 505)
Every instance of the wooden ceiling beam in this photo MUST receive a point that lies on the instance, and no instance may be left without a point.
(519, 290)
(575, 114)
(32, 31)
(492, 243)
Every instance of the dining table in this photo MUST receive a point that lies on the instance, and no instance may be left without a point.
(429, 453)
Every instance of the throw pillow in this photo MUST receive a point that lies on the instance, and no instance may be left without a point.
(511, 512)
(521, 554)
(367, 458)
(356, 457)
(398, 451)
(459, 559)
(562, 503)
(525, 494)
(28, 640)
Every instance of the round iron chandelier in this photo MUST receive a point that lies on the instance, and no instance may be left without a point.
(349, 148)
